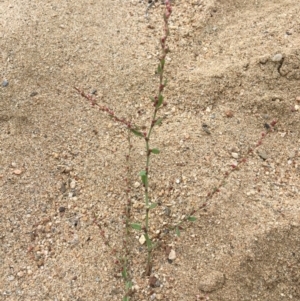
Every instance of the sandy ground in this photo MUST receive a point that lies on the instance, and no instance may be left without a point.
(234, 66)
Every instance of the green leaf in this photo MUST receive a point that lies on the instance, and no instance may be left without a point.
(160, 101)
(137, 133)
(144, 177)
(126, 298)
(136, 226)
(191, 218)
(158, 121)
(152, 206)
(124, 273)
(142, 173)
(155, 151)
(177, 231)
(128, 285)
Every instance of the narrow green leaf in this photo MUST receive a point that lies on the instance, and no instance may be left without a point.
(191, 218)
(136, 226)
(152, 206)
(142, 173)
(124, 273)
(126, 298)
(128, 285)
(137, 133)
(162, 63)
(158, 121)
(160, 101)
(155, 151)
(177, 231)
(144, 177)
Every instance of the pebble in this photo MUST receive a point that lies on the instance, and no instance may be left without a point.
(211, 281)
(11, 277)
(263, 154)
(142, 239)
(32, 94)
(62, 209)
(172, 255)
(5, 83)
(17, 171)
(229, 113)
(235, 155)
(137, 184)
(277, 57)
(251, 192)
(73, 184)
(297, 107)
(167, 211)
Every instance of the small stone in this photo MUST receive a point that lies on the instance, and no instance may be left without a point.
(172, 255)
(263, 154)
(298, 99)
(167, 211)
(229, 114)
(62, 209)
(161, 193)
(55, 155)
(63, 187)
(5, 83)
(32, 94)
(297, 107)
(137, 184)
(11, 278)
(211, 281)
(17, 171)
(154, 282)
(20, 274)
(251, 192)
(277, 57)
(14, 164)
(153, 296)
(178, 181)
(235, 155)
(142, 239)
(73, 184)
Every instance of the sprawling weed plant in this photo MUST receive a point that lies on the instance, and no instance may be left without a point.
(123, 256)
